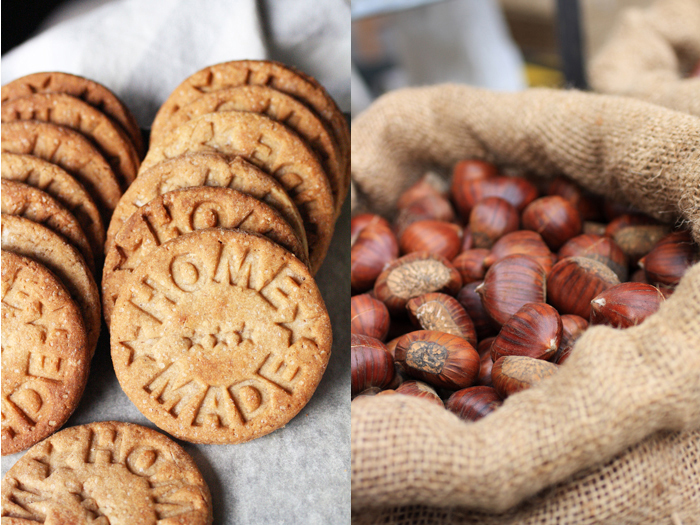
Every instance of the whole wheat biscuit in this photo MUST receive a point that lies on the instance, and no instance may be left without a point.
(37, 242)
(69, 150)
(221, 336)
(206, 169)
(272, 147)
(265, 73)
(106, 473)
(86, 90)
(38, 206)
(55, 181)
(280, 107)
(64, 110)
(45, 360)
(182, 211)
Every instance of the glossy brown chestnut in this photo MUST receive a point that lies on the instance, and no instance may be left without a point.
(430, 207)
(368, 316)
(573, 327)
(441, 313)
(625, 305)
(420, 389)
(524, 242)
(474, 403)
(575, 281)
(373, 248)
(484, 346)
(554, 218)
(470, 264)
(490, 219)
(412, 275)
(438, 237)
(628, 219)
(511, 374)
(420, 189)
(370, 364)
(637, 241)
(516, 190)
(593, 228)
(511, 283)
(471, 169)
(467, 239)
(485, 367)
(599, 248)
(439, 359)
(533, 331)
(670, 258)
(471, 301)
(586, 204)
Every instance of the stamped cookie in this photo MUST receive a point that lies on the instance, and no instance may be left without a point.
(38, 206)
(282, 108)
(44, 353)
(71, 112)
(87, 90)
(272, 147)
(37, 242)
(69, 150)
(106, 473)
(221, 336)
(56, 182)
(260, 73)
(206, 169)
(182, 211)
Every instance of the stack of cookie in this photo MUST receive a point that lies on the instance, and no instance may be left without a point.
(218, 331)
(69, 149)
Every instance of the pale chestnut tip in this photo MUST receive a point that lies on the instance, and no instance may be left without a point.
(480, 287)
(600, 302)
(553, 345)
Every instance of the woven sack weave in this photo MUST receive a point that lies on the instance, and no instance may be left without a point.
(614, 436)
(648, 53)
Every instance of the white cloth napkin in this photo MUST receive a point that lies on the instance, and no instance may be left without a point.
(142, 49)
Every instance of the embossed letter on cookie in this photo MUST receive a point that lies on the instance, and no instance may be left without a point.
(220, 336)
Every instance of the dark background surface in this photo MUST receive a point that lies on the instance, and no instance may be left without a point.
(21, 18)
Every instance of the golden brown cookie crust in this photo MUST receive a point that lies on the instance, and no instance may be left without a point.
(55, 181)
(37, 242)
(220, 337)
(179, 212)
(44, 353)
(71, 112)
(260, 72)
(272, 147)
(206, 169)
(106, 472)
(280, 107)
(89, 91)
(38, 206)
(69, 150)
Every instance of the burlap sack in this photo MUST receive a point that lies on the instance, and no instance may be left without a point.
(614, 436)
(649, 51)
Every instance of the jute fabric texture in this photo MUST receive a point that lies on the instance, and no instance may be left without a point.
(649, 53)
(614, 436)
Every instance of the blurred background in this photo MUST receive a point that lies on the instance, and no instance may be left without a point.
(496, 44)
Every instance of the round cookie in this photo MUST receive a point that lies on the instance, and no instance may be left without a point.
(56, 182)
(260, 73)
(206, 169)
(71, 112)
(37, 242)
(86, 90)
(221, 336)
(182, 211)
(272, 147)
(45, 364)
(282, 108)
(69, 150)
(38, 206)
(107, 472)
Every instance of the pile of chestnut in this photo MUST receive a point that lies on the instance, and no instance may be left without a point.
(481, 291)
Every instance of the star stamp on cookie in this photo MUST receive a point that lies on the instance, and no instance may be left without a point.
(106, 473)
(45, 360)
(221, 336)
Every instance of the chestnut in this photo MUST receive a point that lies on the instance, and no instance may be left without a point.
(471, 169)
(423, 188)
(438, 237)
(628, 219)
(511, 283)
(430, 207)
(441, 313)
(474, 403)
(525, 242)
(637, 241)
(572, 327)
(534, 331)
(485, 367)
(554, 218)
(599, 248)
(670, 258)
(420, 389)
(626, 304)
(368, 316)
(490, 219)
(586, 204)
(370, 364)
(516, 190)
(471, 301)
(513, 373)
(470, 264)
(439, 359)
(373, 247)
